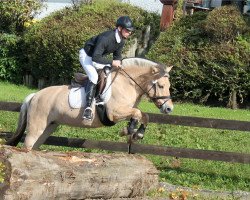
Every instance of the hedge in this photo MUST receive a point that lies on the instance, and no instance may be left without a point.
(211, 54)
(52, 45)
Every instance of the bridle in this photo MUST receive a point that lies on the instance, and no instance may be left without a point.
(154, 98)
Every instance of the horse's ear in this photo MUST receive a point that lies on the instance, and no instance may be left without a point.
(168, 69)
(155, 70)
(158, 71)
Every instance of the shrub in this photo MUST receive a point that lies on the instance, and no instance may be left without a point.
(225, 24)
(52, 45)
(211, 52)
(14, 14)
(10, 53)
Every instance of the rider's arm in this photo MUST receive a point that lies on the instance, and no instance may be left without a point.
(99, 51)
(117, 56)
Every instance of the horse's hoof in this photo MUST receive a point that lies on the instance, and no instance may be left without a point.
(134, 137)
(125, 132)
(139, 135)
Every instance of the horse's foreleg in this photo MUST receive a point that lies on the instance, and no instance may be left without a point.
(144, 122)
(35, 139)
(132, 125)
(136, 116)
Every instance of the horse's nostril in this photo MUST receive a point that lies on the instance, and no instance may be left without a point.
(169, 109)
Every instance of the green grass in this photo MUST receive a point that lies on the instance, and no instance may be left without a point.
(15, 93)
(201, 174)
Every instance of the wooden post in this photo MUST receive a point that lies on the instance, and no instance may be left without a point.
(166, 16)
(167, 13)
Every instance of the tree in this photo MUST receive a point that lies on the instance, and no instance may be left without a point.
(14, 14)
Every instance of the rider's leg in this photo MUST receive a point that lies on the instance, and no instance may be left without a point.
(91, 72)
(90, 94)
(106, 68)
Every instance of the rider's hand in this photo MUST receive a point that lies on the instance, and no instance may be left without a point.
(116, 63)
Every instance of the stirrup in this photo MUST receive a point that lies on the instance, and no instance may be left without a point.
(99, 101)
(88, 113)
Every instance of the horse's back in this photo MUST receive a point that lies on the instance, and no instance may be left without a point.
(50, 97)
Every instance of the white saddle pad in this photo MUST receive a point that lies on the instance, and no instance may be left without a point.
(77, 96)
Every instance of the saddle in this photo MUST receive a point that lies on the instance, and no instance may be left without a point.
(81, 80)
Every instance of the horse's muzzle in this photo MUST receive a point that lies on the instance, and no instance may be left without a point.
(167, 108)
(164, 103)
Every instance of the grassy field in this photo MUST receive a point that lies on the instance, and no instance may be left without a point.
(193, 173)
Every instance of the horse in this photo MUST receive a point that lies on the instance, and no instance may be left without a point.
(42, 112)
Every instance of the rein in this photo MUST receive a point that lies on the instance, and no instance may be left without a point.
(147, 92)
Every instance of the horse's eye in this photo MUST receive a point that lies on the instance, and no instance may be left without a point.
(160, 86)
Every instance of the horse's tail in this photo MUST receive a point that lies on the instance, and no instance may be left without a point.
(22, 122)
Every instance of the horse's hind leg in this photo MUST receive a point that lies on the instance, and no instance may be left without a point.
(34, 140)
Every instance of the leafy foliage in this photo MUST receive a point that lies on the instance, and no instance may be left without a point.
(52, 45)
(221, 27)
(14, 14)
(9, 58)
(2, 174)
(211, 52)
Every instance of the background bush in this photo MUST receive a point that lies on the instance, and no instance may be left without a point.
(211, 52)
(14, 16)
(52, 45)
(10, 68)
(15, 13)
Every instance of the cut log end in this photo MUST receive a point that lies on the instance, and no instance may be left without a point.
(75, 175)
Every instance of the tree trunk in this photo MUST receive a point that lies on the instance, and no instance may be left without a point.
(74, 175)
(233, 100)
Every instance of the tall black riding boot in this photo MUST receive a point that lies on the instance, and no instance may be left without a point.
(90, 94)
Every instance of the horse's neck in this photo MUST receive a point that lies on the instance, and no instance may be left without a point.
(139, 75)
(136, 78)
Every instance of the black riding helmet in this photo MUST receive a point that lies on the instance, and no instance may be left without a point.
(125, 22)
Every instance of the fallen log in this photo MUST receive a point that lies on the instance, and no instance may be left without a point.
(74, 175)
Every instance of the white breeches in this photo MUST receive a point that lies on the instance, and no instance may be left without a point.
(89, 66)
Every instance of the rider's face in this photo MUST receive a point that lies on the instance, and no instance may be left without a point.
(124, 32)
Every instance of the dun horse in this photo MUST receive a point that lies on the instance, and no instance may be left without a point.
(42, 112)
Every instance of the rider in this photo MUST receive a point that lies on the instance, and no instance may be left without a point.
(92, 56)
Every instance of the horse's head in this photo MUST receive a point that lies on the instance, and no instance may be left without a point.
(158, 89)
(152, 79)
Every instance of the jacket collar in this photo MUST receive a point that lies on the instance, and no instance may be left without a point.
(117, 36)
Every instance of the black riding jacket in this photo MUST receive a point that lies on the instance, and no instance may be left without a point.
(98, 47)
